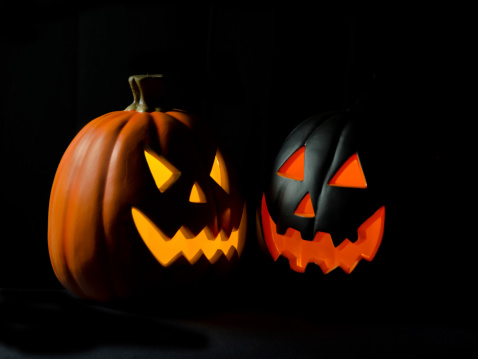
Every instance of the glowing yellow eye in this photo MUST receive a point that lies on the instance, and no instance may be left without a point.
(164, 173)
(219, 172)
(197, 194)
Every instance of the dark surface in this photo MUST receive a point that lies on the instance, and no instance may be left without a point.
(52, 323)
(253, 73)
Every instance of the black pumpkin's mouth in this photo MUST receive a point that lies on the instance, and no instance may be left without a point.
(167, 250)
(321, 249)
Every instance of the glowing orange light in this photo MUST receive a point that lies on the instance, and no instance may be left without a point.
(164, 173)
(166, 250)
(321, 249)
(350, 174)
(305, 208)
(219, 173)
(197, 194)
(293, 168)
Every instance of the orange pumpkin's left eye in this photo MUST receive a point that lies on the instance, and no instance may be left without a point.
(350, 174)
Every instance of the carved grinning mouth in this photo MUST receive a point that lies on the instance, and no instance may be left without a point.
(321, 249)
(166, 250)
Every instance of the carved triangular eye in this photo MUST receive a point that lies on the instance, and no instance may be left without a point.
(164, 173)
(219, 172)
(293, 168)
(350, 174)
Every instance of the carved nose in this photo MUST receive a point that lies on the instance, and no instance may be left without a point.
(305, 208)
(197, 194)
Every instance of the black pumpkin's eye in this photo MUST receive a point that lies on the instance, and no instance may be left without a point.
(350, 174)
(164, 173)
(219, 173)
(293, 168)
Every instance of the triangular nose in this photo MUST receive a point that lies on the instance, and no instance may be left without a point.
(197, 195)
(305, 208)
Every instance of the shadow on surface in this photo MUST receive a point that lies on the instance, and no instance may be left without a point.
(53, 322)
(56, 322)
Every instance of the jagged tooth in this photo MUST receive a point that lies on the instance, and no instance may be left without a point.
(154, 238)
(324, 266)
(216, 257)
(238, 235)
(193, 258)
(294, 265)
(208, 247)
(232, 243)
(188, 244)
(348, 268)
(346, 242)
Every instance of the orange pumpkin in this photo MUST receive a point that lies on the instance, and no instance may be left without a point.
(139, 192)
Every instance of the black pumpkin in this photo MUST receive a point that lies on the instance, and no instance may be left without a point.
(324, 201)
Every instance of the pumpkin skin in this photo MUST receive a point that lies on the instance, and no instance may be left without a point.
(324, 203)
(106, 200)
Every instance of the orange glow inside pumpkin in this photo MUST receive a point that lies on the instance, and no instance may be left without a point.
(166, 250)
(350, 174)
(305, 208)
(321, 249)
(293, 168)
(218, 172)
(197, 194)
(164, 173)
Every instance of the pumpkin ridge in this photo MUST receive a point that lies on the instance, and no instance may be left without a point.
(70, 149)
(328, 163)
(87, 132)
(63, 272)
(88, 141)
(315, 126)
(313, 123)
(181, 117)
(120, 132)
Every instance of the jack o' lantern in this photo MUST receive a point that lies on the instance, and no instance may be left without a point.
(324, 203)
(140, 191)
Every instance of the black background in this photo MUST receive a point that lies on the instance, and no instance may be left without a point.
(254, 73)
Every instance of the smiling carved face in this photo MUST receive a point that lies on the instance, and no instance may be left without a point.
(323, 204)
(184, 200)
(206, 226)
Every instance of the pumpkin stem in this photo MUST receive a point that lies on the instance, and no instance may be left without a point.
(147, 92)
